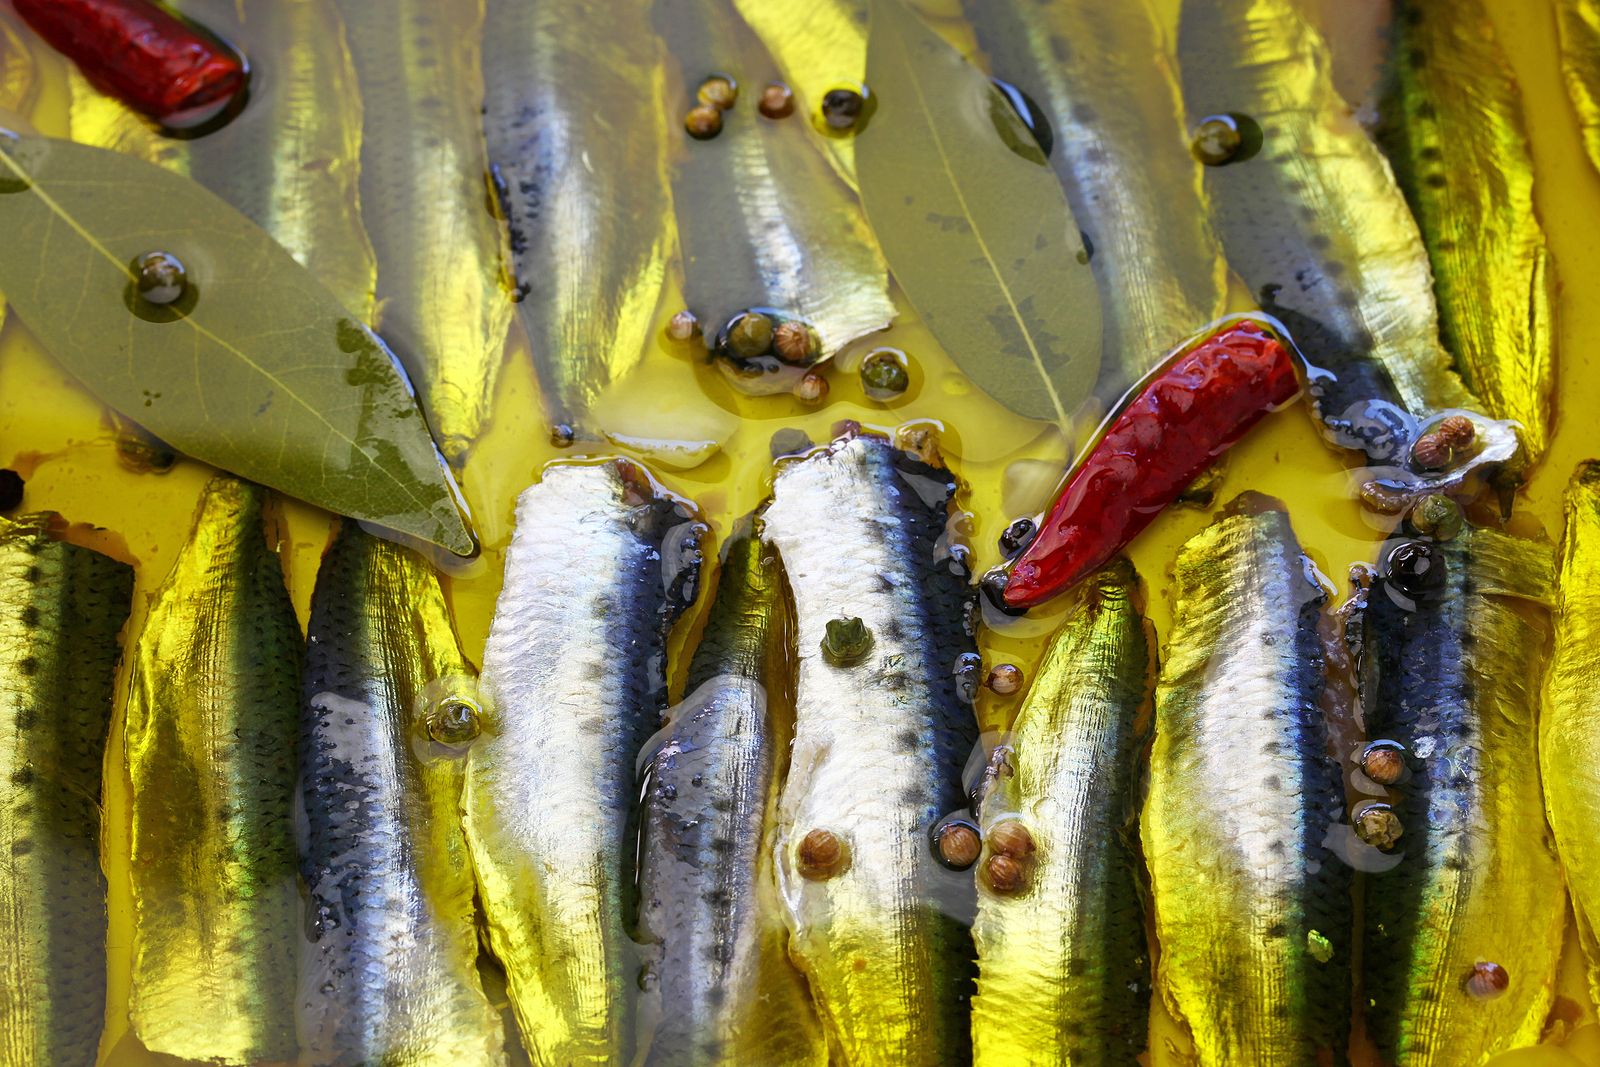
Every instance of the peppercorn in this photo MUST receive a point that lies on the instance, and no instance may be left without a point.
(1487, 980)
(957, 843)
(1217, 140)
(1437, 516)
(683, 326)
(1415, 568)
(1384, 762)
(846, 641)
(777, 102)
(1017, 536)
(883, 374)
(1005, 679)
(1445, 444)
(1009, 837)
(160, 277)
(1378, 826)
(796, 344)
(749, 335)
(454, 721)
(821, 855)
(703, 122)
(718, 91)
(562, 435)
(811, 389)
(841, 108)
(1005, 875)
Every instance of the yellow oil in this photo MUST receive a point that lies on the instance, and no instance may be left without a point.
(59, 437)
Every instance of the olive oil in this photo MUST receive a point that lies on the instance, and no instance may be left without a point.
(62, 441)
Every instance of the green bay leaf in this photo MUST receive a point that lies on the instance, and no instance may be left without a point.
(263, 372)
(974, 224)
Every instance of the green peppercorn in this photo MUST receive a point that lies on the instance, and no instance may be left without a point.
(454, 721)
(1437, 516)
(846, 641)
(750, 335)
(884, 375)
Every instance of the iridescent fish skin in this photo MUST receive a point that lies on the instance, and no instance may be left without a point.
(763, 220)
(576, 122)
(212, 715)
(1569, 729)
(1253, 912)
(1312, 221)
(443, 306)
(878, 924)
(291, 160)
(1104, 76)
(388, 971)
(820, 45)
(1063, 970)
(61, 608)
(599, 568)
(1452, 126)
(723, 988)
(1578, 22)
(1455, 677)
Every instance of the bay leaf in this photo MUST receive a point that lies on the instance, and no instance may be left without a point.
(258, 369)
(973, 222)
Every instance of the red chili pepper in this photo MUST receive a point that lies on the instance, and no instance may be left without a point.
(1186, 415)
(148, 58)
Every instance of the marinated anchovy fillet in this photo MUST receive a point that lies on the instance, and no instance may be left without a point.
(389, 970)
(443, 306)
(1569, 740)
(291, 160)
(725, 989)
(882, 735)
(213, 710)
(60, 609)
(1063, 973)
(1579, 25)
(1252, 910)
(1312, 221)
(821, 45)
(1453, 128)
(576, 122)
(574, 680)
(1105, 79)
(764, 221)
(1454, 676)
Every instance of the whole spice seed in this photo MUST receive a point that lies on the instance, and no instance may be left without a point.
(151, 60)
(1005, 679)
(703, 122)
(718, 91)
(1216, 140)
(683, 326)
(841, 108)
(1189, 411)
(796, 344)
(811, 389)
(777, 102)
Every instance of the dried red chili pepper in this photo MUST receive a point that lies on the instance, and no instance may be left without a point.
(151, 60)
(1187, 413)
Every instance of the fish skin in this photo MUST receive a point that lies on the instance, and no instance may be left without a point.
(388, 973)
(1578, 26)
(212, 714)
(1242, 791)
(291, 160)
(574, 684)
(443, 305)
(1105, 77)
(1317, 229)
(1568, 736)
(820, 45)
(1452, 126)
(726, 992)
(586, 200)
(61, 608)
(1457, 682)
(762, 219)
(879, 752)
(1063, 969)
